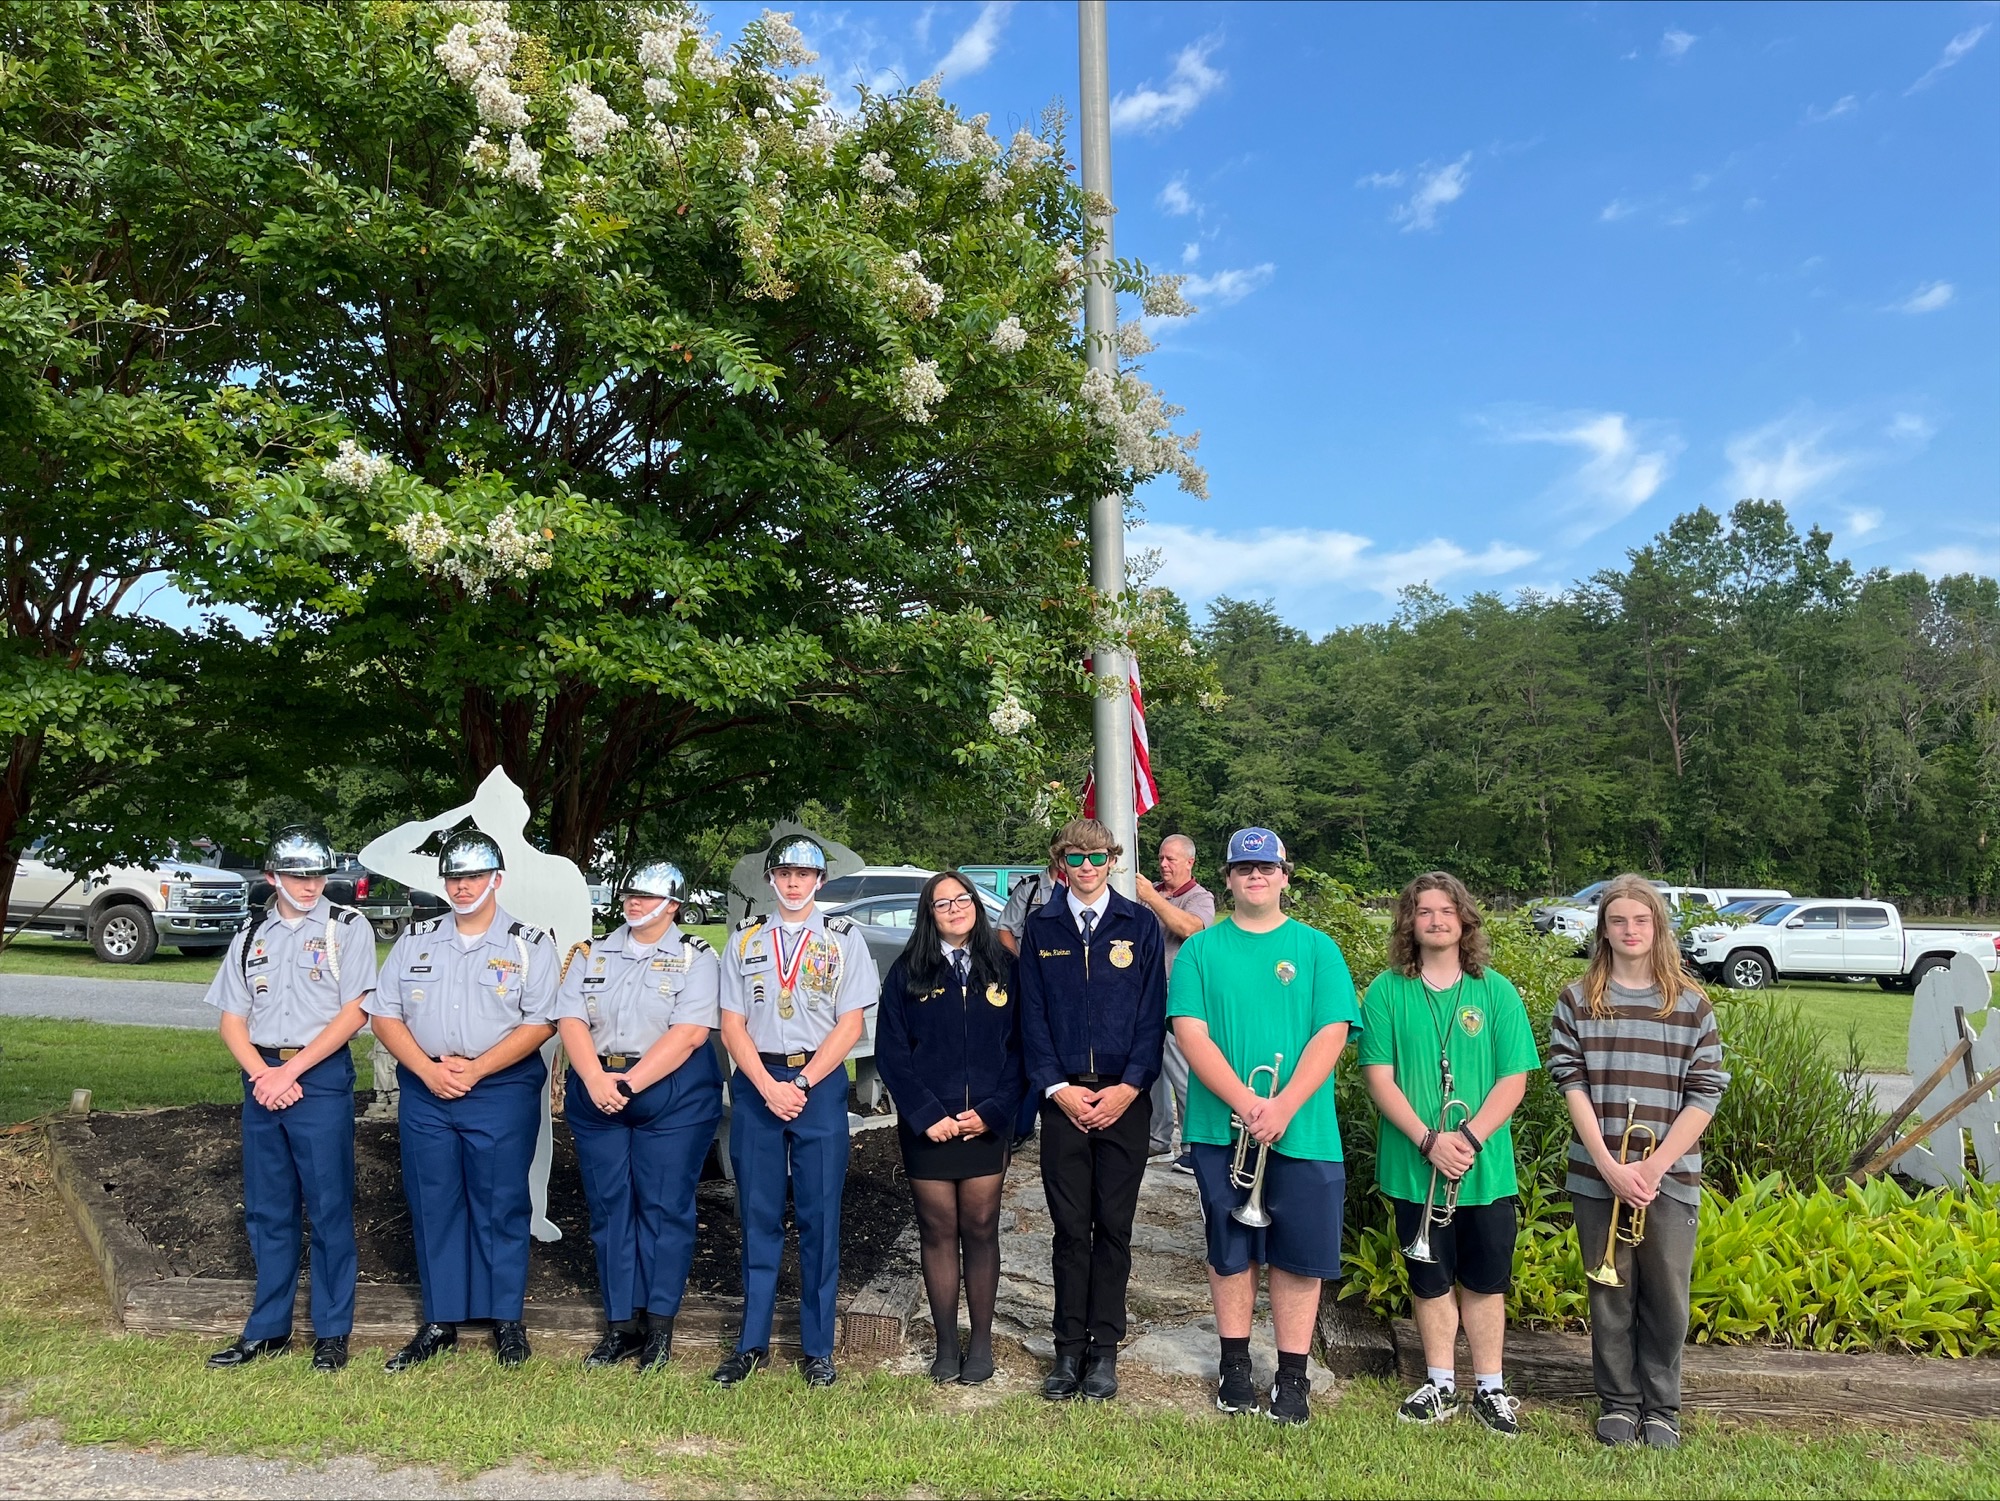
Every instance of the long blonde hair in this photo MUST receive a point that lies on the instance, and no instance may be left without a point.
(1669, 974)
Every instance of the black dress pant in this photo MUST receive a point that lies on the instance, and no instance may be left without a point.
(1092, 1179)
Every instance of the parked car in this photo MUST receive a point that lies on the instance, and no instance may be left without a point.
(1576, 917)
(127, 911)
(886, 921)
(1820, 938)
(384, 903)
(873, 880)
(1000, 879)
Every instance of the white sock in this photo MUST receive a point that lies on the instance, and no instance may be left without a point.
(1441, 1378)
(1491, 1383)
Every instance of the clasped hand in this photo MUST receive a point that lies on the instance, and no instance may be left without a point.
(1095, 1109)
(1637, 1183)
(786, 1098)
(1451, 1154)
(1267, 1119)
(605, 1093)
(452, 1077)
(965, 1123)
(276, 1088)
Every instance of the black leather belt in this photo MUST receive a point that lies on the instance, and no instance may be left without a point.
(284, 1055)
(617, 1063)
(784, 1060)
(1093, 1081)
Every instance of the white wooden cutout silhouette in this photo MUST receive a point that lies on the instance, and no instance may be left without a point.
(1933, 1033)
(547, 891)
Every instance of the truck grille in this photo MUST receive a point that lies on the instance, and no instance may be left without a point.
(217, 898)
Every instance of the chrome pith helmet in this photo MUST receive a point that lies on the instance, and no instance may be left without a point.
(299, 852)
(799, 852)
(469, 852)
(660, 878)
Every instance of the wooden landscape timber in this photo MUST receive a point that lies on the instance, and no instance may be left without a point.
(147, 1298)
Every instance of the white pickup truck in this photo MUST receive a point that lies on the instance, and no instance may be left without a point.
(1843, 938)
(1575, 917)
(128, 911)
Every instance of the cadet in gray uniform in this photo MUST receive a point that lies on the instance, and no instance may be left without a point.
(290, 991)
(795, 990)
(643, 1100)
(465, 1004)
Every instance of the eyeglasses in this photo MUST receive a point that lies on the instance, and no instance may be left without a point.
(1075, 858)
(1254, 867)
(951, 904)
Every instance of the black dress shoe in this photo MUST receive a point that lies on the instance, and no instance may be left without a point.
(246, 1350)
(738, 1364)
(1100, 1377)
(617, 1345)
(819, 1370)
(1063, 1378)
(977, 1367)
(510, 1342)
(659, 1343)
(945, 1364)
(330, 1354)
(431, 1339)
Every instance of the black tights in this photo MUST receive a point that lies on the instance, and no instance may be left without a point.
(961, 1219)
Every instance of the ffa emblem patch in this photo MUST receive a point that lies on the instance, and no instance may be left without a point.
(1470, 1020)
(1121, 953)
(995, 996)
(1287, 971)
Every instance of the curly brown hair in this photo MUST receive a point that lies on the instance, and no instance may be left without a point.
(1474, 953)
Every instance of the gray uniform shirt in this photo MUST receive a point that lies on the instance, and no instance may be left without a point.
(630, 998)
(291, 981)
(462, 1001)
(1028, 894)
(1198, 901)
(834, 975)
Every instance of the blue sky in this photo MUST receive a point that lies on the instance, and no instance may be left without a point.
(1489, 294)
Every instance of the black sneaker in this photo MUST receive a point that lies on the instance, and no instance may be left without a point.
(1429, 1403)
(1659, 1431)
(738, 1364)
(1616, 1428)
(1236, 1391)
(1498, 1411)
(1288, 1399)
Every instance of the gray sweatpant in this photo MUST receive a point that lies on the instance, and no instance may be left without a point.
(1169, 1098)
(1637, 1331)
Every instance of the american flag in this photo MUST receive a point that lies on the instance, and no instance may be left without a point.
(1145, 791)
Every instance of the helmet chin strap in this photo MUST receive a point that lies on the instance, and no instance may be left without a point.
(467, 909)
(289, 902)
(652, 916)
(794, 914)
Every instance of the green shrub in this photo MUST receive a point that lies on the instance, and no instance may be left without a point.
(1787, 1110)
(1847, 1268)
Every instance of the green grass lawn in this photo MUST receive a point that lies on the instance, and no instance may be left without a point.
(36, 954)
(124, 1068)
(1880, 1019)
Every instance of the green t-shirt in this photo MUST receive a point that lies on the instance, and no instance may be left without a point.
(1486, 1034)
(1262, 994)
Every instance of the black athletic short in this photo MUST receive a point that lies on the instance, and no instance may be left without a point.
(1476, 1250)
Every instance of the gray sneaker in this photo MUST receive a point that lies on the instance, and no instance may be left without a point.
(1618, 1428)
(1429, 1403)
(1660, 1431)
(1498, 1412)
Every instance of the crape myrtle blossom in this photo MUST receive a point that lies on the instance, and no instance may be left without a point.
(592, 121)
(473, 559)
(357, 468)
(921, 295)
(874, 166)
(498, 105)
(1009, 717)
(918, 389)
(787, 43)
(1009, 337)
(1162, 298)
(1132, 341)
(1138, 419)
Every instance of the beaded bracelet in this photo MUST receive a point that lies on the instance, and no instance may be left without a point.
(1430, 1140)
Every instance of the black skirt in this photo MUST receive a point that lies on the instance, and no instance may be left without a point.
(978, 1156)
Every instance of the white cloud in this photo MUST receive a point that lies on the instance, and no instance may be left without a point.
(1908, 427)
(1293, 566)
(1926, 299)
(1625, 462)
(976, 45)
(1954, 49)
(1674, 43)
(1435, 188)
(1193, 80)
(1617, 209)
(1786, 460)
(1191, 253)
(1225, 288)
(1957, 557)
(1846, 104)
(1860, 521)
(1175, 198)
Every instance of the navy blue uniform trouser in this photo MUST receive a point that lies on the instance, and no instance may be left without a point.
(640, 1168)
(465, 1169)
(809, 1152)
(302, 1157)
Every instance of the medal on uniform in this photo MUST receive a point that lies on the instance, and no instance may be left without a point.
(313, 976)
(788, 970)
(996, 995)
(1121, 953)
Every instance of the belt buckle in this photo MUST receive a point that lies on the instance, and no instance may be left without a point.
(286, 1055)
(796, 1060)
(618, 1060)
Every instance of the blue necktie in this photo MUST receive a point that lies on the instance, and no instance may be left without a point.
(1089, 922)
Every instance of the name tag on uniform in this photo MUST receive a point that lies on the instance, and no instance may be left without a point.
(1055, 953)
(420, 969)
(591, 982)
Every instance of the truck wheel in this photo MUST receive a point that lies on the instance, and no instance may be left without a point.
(693, 914)
(1894, 984)
(124, 934)
(1747, 972)
(1924, 966)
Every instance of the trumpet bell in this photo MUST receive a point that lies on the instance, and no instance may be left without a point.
(1253, 1214)
(1605, 1275)
(1420, 1248)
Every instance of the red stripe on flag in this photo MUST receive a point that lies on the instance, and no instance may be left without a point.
(1145, 791)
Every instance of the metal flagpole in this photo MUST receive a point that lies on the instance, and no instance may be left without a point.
(1112, 720)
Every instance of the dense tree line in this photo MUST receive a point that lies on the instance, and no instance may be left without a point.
(1735, 704)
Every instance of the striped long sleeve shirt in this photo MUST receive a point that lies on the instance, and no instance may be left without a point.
(1663, 1063)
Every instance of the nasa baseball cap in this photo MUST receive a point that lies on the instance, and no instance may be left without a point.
(1256, 847)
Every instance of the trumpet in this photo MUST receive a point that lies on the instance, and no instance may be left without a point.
(1606, 1273)
(1251, 1211)
(1438, 1214)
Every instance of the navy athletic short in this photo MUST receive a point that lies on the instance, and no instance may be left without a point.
(1476, 1250)
(1303, 1198)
